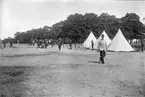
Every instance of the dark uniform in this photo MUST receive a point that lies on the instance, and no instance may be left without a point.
(59, 43)
(4, 43)
(70, 43)
(92, 43)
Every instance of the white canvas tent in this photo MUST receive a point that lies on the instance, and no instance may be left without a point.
(87, 42)
(106, 38)
(119, 43)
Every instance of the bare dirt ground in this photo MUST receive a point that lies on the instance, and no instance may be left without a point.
(26, 71)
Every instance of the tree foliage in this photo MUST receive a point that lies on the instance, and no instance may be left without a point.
(131, 26)
(78, 26)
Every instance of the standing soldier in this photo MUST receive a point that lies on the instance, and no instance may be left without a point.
(41, 43)
(4, 43)
(49, 42)
(70, 43)
(102, 46)
(45, 43)
(33, 42)
(59, 43)
(38, 43)
(11, 43)
(92, 43)
(52, 41)
(29, 42)
(0, 43)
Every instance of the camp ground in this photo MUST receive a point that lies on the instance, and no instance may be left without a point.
(38, 71)
(35, 72)
(72, 48)
(29, 71)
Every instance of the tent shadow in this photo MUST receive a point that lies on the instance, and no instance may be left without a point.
(94, 61)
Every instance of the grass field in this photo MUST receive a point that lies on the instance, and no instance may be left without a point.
(26, 71)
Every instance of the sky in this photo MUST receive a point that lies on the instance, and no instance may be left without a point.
(23, 15)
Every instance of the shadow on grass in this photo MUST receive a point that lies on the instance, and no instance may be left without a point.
(94, 62)
(29, 55)
(25, 55)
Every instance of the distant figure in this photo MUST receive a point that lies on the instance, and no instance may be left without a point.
(42, 43)
(33, 42)
(4, 43)
(1, 43)
(45, 43)
(92, 43)
(51, 42)
(29, 42)
(59, 43)
(11, 43)
(70, 43)
(38, 43)
(102, 46)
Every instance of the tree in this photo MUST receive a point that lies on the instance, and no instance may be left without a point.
(92, 23)
(131, 26)
(17, 35)
(77, 27)
(57, 29)
(109, 23)
(73, 27)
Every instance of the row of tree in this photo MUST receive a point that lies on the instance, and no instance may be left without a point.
(77, 27)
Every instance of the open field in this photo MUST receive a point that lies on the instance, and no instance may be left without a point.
(26, 71)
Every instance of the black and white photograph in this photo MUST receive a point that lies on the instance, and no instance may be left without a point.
(72, 48)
